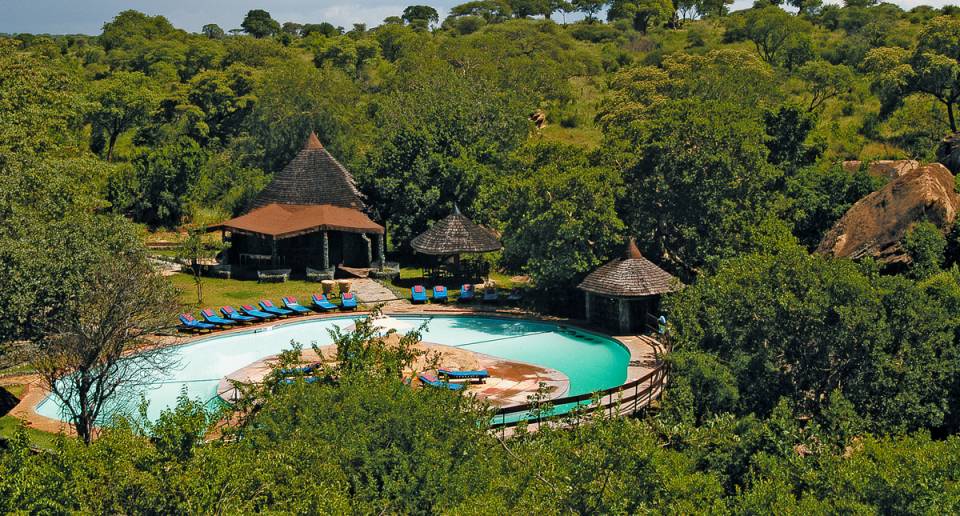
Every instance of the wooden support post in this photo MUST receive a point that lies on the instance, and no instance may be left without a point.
(588, 298)
(273, 253)
(326, 251)
(624, 316)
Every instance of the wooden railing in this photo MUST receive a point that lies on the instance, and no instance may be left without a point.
(627, 399)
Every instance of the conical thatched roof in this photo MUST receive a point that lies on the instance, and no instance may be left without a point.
(312, 177)
(630, 276)
(454, 235)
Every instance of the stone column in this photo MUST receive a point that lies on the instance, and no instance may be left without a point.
(588, 298)
(326, 252)
(381, 250)
(369, 248)
(624, 316)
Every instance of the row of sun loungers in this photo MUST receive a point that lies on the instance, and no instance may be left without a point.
(448, 376)
(267, 310)
(418, 295)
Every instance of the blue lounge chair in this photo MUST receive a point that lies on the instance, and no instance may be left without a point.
(211, 317)
(348, 301)
(290, 303)
(466, 293)
(306, 379)
(253, 312)
(491, 295)
(190, 323)
(449, 374)
(432, 381)
(440, 294)
(322, 303)
(418, 294)
(233, 315)
(267, 306)
(299, 370)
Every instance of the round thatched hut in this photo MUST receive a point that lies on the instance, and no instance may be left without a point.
(625, 292)
(454, 235)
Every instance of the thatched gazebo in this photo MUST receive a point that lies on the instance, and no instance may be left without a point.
(454, 235)
(309, 215)
(623, 293)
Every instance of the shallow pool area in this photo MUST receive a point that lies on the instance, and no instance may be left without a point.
(591, 361)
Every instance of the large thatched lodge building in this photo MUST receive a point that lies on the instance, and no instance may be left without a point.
(310, 215)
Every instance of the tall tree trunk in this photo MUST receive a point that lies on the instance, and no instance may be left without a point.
(953, 121)
(112, 141)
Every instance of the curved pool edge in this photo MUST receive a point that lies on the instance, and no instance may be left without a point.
(643, 357)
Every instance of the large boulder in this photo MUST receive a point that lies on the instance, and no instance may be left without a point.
(876, 224)
(886, 168)
(948, 152)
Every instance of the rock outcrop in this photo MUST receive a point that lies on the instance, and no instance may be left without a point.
(948, 152)
(876, 224)
(888, 168)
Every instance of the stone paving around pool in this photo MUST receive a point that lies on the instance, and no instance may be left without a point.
(510, 382)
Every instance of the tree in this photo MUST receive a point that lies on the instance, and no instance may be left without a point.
(84, 357)
(212, 31)
(294, 98)
(292, 29)
(800, 327)
(132, 27)
(771, 29)
(558, 215)
(196, 250)
(493, 11)
(806, 7)
(259, 24)
(163, 177)
(42, 102)
(589, 7)
(930, 69)
(420, 15)
(326, 29)
(123, 101)
(641, 13)
(826, 81)
(925, 244)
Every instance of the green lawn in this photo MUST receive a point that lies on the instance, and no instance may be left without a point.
(10, 424)
(218, 292)
(8, 430)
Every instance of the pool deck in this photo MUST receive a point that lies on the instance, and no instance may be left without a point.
(510, 381)
(644, 356)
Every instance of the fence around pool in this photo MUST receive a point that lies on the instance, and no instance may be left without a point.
(626, 399)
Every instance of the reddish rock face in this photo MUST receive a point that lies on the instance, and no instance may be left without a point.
(888, 168)
(876, 224)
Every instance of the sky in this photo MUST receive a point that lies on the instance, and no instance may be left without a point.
(88, 16)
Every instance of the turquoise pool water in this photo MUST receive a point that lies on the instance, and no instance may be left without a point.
(592, 362)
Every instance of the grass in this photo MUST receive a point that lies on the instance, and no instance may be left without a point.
(218, 292)
(16, 390)
(9, 426)
(17, 369)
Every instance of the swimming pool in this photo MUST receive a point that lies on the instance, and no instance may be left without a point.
(590, 361)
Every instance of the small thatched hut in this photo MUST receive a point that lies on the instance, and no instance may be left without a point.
(454, 235)
(622, 294)
(310, 215)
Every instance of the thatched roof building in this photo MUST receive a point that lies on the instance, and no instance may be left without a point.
(455, 234)
(309, 215)
(624, 292)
